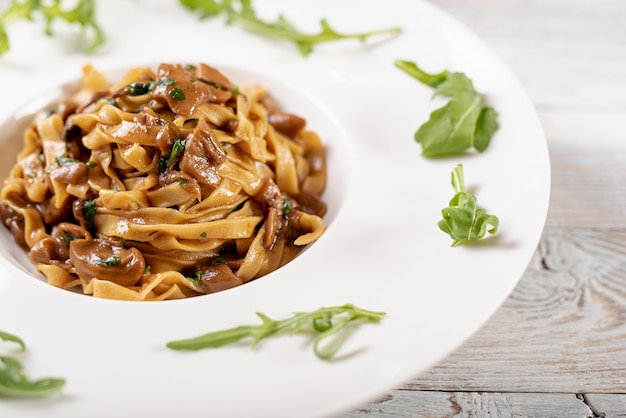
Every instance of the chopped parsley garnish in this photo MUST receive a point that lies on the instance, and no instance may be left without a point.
(163, 164)
(111, 261)
(203, 235)
(165, 81)
(177, 94)
(177, 149)
(89, 212)
(67, 238)
(198, 281)
(287, 206)
(182, 181)
(91, 164)
(64, 159)
(137, 89)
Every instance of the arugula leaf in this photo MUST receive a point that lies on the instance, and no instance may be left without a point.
(330, 323)
(5, 336)
(463, 220)
(242, 13)
(465, 122)
(83, 14)
(13, 381)
(206, 8)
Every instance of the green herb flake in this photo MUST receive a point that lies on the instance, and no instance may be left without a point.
(165, 81)
(108, 262)
(332, 325)
(177, 94)
(112, 102)
(177, 149)
(66, 237)
(163, 164)
(182, 181)
(138, 89)
(13, 381)
(463, 220)
(198, 281)
(235, 90)
(63, 160)
(91, 164)
(287, 206)
(465, 122)
(203, 234)
(89, 212)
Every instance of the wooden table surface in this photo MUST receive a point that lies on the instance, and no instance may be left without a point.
(557, 346)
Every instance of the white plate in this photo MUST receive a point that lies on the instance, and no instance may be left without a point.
(382, 250)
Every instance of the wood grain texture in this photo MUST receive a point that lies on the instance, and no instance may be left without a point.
(569, 54)
(400, 403)
(604, 405)
(588, 185)
(557, 346)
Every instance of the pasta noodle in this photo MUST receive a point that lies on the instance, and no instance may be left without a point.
(169, 184)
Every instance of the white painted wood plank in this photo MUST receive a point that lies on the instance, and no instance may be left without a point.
(588, 185)
(402, 403)
(604, 405)
(567, 53)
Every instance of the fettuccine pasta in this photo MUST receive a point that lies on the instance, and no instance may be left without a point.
(169, 184)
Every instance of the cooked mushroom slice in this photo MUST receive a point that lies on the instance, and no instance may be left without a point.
(14, 221)
(55, 249)
(212, 76)
(218, 278)
(99, 259)
(48, 251)
(203, 154)
(286, 123)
